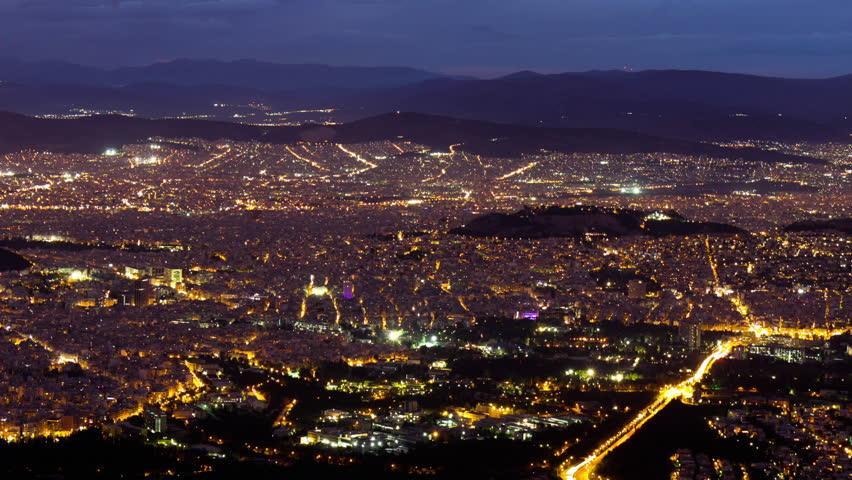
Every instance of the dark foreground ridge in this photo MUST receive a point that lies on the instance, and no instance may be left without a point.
(96, 133)
(843, 225)
(556, 221)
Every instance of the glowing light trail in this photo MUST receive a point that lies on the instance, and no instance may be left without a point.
(306, 160)
(519, 171)
(358, 158)
(584, 469)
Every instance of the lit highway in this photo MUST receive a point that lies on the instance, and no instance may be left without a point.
(583, 470)
(518, 171)
(368, 165)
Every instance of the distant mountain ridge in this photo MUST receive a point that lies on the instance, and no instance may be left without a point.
(251, 74)
(94, 134)
(687, 104)
(673, 103)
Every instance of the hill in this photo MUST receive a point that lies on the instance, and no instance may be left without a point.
(686, 104)
(841, 225)
(11, 261)
(556, 221)
(94, 134)
(693, 105)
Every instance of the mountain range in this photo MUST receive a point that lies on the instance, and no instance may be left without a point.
(694, 105)
(687, 104)
(249, 74)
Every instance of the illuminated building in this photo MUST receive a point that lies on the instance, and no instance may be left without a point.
(689, 333)
(155, 421)
(143, 293)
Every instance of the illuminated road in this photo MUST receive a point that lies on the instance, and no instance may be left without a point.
(368, 165)
(519, 171)
(214, 158)
(306, 160)
(584, 469)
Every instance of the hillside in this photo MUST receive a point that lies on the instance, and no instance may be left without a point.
(693, 105)
(686, 104)
(841, 225)
(556, 221)
(94, 134)
(11, 261)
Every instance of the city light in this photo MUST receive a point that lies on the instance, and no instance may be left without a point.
(394, 336)
(379, 294)
(319, 291)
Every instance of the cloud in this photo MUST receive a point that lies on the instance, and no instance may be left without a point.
(453, 34)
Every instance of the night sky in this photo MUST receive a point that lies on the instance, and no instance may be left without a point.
(803, 38)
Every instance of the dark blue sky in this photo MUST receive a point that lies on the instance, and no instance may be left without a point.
(809, 38)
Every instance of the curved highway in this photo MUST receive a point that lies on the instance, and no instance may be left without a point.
(583, 470)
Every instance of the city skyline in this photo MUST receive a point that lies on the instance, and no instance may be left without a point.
(425, 239)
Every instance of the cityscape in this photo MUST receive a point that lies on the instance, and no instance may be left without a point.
(205, 276)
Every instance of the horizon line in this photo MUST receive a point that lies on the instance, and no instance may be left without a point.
(495, 72)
